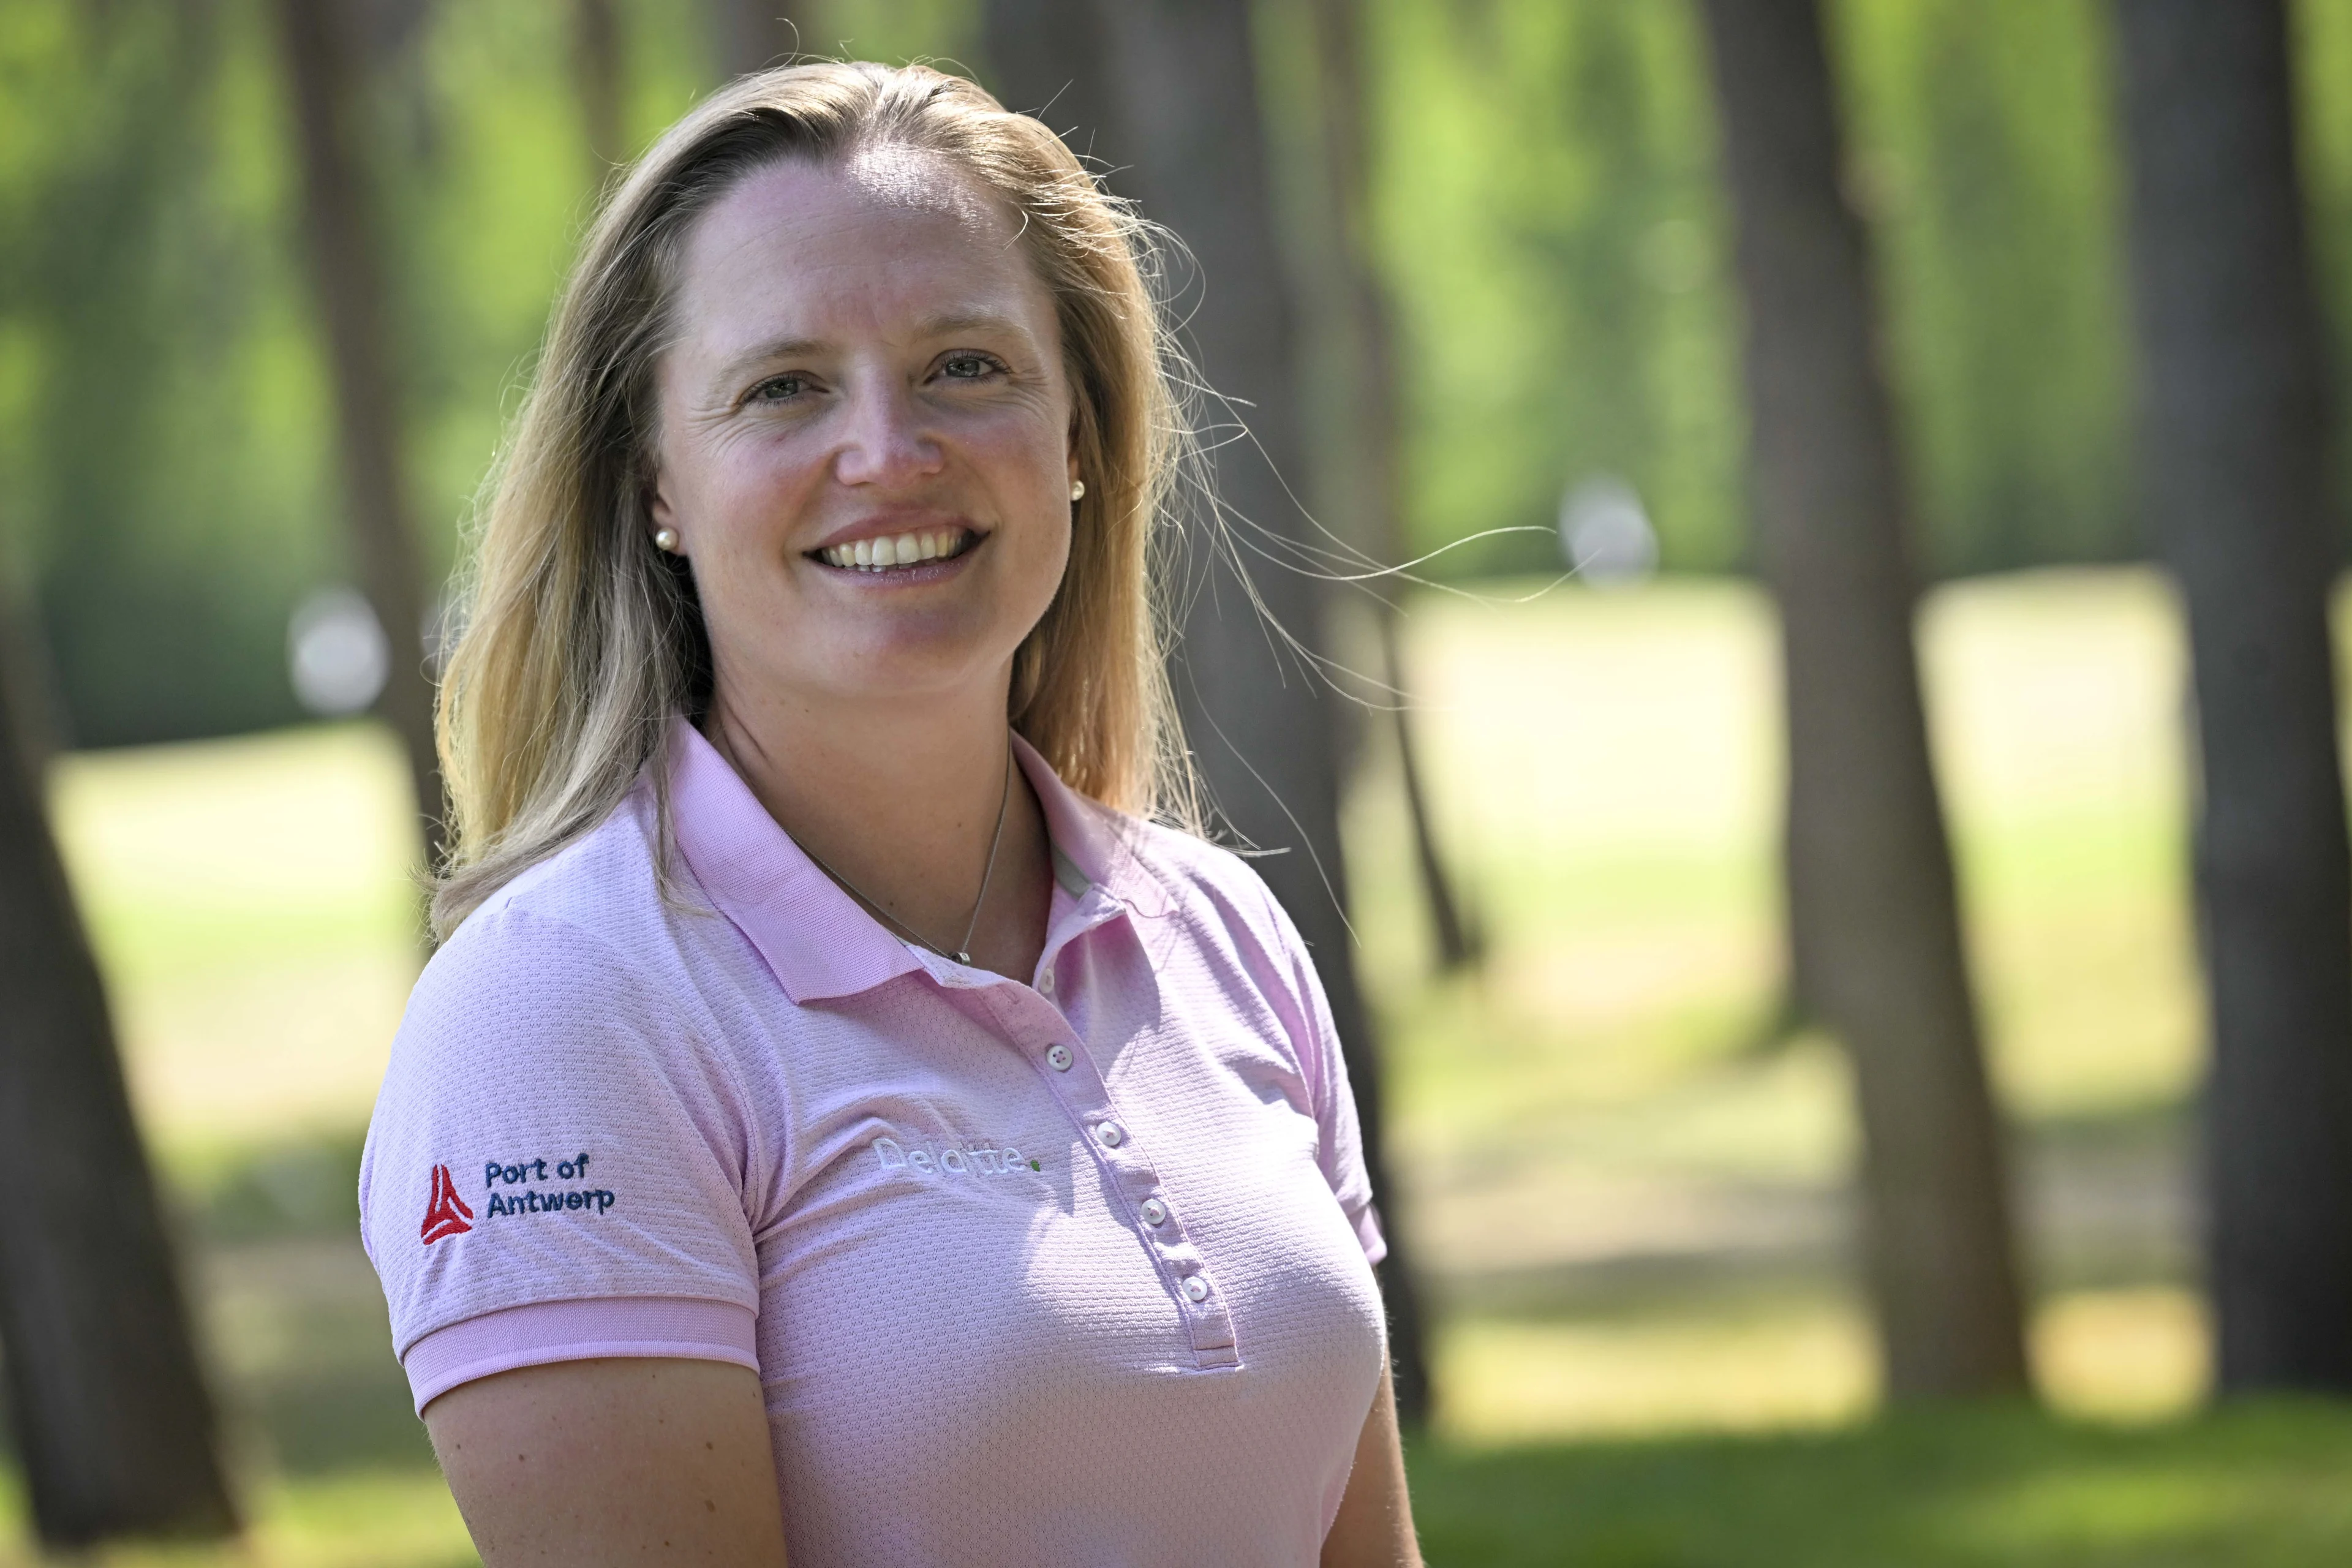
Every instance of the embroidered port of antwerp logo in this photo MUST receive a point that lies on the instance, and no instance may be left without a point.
(446, 1213)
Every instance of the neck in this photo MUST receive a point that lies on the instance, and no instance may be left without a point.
(899, 802)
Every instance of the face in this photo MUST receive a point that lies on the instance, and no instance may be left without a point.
(864, 438)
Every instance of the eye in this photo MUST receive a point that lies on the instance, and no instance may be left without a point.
(778, 389)
(969, 367)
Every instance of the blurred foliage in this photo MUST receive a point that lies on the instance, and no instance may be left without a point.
(161, 434)
(304, 1185)
(1546, 203)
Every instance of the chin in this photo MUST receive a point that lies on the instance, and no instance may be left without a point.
(914, 667)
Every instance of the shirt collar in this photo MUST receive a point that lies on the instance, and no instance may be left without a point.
(818, 940)
(1099, 841)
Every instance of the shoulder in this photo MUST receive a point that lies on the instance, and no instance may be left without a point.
(1215, 896)
(577, 948)
(1230, 921)
(558, 1011)
(1201, 879)
(605, 882)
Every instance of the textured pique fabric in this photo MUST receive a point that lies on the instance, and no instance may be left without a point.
(1076, 1271)
(543, 1332)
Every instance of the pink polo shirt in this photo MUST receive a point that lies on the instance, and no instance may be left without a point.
(1077, 1271)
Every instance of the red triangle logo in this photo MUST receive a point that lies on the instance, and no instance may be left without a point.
(446, 1213)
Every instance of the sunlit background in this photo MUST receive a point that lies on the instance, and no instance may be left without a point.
(1628, 1186)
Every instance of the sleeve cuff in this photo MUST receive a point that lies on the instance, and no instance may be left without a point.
(544, 1331)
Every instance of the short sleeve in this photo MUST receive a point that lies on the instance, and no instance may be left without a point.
(1340, 1144)
(553, 1130)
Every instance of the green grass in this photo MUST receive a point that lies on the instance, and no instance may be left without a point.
(2261, 1487)
(1628, 1214)
(368, 1517)
(2257, 1488)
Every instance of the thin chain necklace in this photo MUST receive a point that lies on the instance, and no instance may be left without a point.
(961, 952)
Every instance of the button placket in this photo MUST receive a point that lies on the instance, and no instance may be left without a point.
(1097, 908)
(1162, 1232)
(1085, 1098)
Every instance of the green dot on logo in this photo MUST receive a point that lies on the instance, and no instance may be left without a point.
(1035, 1166)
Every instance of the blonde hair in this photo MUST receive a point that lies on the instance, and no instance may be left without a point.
(583, 641)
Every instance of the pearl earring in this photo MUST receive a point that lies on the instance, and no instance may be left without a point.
(1077, 490)
(666, 539)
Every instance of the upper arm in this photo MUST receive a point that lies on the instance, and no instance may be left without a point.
(1374, 1529)
(618, 1461)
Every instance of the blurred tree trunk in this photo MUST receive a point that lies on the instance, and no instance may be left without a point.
(1254, 710)
(753, 35)
(2235, 423)
(1869, 867)
(596, 60)
(1375, 441)
(34, 713)
(108, 1405)
(1046, 57)
(346, 255)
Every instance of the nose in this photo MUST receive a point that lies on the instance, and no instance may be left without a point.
(885, 442)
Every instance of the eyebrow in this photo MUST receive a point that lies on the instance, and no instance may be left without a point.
(773, 349)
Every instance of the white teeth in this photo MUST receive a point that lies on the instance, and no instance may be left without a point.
(883, 554)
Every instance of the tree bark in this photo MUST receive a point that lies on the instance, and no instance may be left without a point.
(2235, 422)
(111, 1421)
(346, 250)
(1255, 712)
(1376, 442)
(1866, 852)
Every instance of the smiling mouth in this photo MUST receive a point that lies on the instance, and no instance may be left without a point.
(897, 553)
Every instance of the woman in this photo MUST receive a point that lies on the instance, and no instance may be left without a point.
(839, 1118)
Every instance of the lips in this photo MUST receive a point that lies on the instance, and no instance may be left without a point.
(898, 551)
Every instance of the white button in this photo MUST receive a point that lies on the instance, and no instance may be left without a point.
(1196, 1288)
(1046, 982)
(1155, 1213)
(1109, 1132)
(1059, 1057)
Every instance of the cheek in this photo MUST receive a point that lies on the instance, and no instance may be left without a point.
(1042, 569)
(749, 486)
(1046, 545)
(730, 492)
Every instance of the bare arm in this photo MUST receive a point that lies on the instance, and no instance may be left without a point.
(612, 1462)
(1374, 1529)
